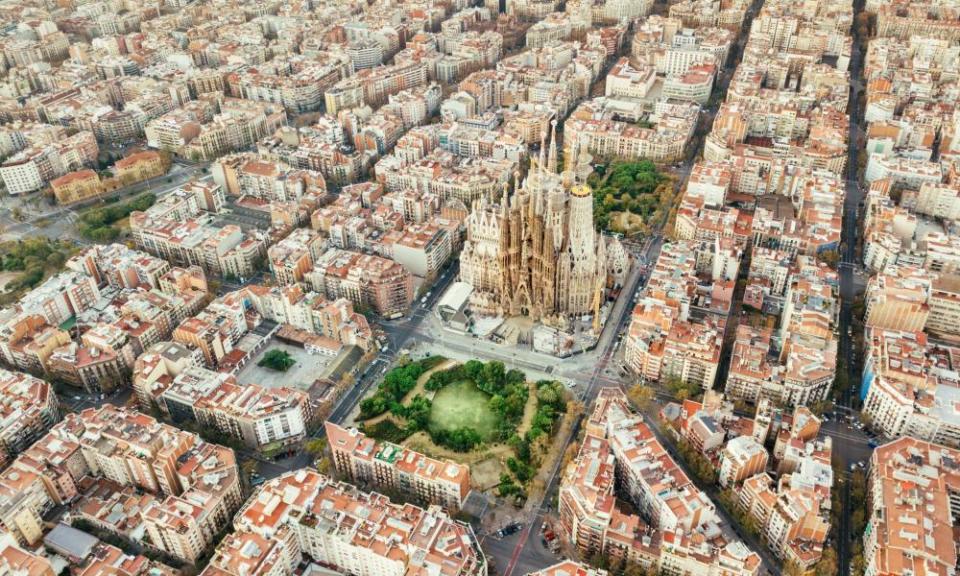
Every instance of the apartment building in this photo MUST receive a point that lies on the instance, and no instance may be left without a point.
(180, 230)
(33, 168)
(16, 560)
(269, 420)
(140, 166)
(60, 465)
(24, 502)
(944, 303)
(196, 484)
(303, 516)
(28, 408)
(898, 299)
(251, 553)
(620, 457)
(76, 186)
(217, 128)
(366, 280)
(909, 387)
(741, 458)
(373, 86)
(911, 508)
(332, 320)
(791, 517)
(247, 174)
(700, 13)
(664, 338)
(313, 148)
(912, 19)
(392, 467)
(423, 250)
(691, 352)
(593, 129)
(446, 175)
(293, 257)
(299, 86)
(569, 568)
(200, 481)
(118, 305)
(751, 373)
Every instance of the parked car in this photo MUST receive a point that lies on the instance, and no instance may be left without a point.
(512, 528)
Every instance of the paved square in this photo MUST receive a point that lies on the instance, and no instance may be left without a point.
(308, 368)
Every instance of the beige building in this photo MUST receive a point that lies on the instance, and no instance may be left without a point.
(76, 186)
(944, 317)
(593, 128)
(911, 509)
(303, 516)
(621, 458)
(897, 299)
(29, 408)
(140, 166)
(292, 258)
(741, 458)
(389, 466)
(199, 482)
(365, 280)
(17, 561)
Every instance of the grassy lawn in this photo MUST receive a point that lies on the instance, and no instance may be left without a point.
(462, 405)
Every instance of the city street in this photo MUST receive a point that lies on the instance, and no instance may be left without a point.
(60, 222)
(846, 451)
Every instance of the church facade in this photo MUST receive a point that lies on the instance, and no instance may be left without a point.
(535, 252)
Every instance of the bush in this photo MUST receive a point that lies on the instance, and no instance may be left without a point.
(458, 439)
(97, 224)
(35, 257)
(443, 378)
(551, 403)
(629, 186)
(507, 487)
(417, 413)
(395, 385)
(278, 360)
(523, 472)
(681, 389)
(373, 406)
(386, 431)
(705, 471)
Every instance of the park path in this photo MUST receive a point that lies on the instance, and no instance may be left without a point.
(417, 389)
(529, 410)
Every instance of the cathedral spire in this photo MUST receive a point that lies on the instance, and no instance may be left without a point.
(552, 162)
(543, 149)
(539, 174)
(570, 163)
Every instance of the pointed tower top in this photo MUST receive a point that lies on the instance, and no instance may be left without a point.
(540, 163)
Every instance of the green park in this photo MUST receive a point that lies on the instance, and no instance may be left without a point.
(476, 413)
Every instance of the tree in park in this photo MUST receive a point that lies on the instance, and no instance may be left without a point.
(278, 360)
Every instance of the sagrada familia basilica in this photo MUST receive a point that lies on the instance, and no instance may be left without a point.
(536, 252)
